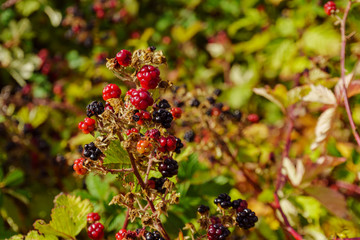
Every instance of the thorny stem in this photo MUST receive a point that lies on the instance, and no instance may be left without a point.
(342, 65)
(148, 169)
(152, 207)
(126, 222)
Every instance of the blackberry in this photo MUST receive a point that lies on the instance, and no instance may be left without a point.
(163, 104)
(194, 102)
(159, 182)
(94, 108)
(135, 118)
(203, 209)
(237, 115)
(91, 151)
(217, 92)
(153, 236)
(169, 167)
(209, 112)
(239, 205)
(219, 105)
(217, 232)
(178, 103)
(211, 100)
(163, 116)
(223, 200)
(189, 136)
(152, 48)
(246, 219)
(179, 145)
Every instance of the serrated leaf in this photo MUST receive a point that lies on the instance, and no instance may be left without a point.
(97, 187)
(320, 94)
(294, 95)
(116, 156)
(323, 127)
(322, 165)
(334, 201)
(266, 93)
(339, 85)
(294, 172)
(34, 235)
(68, 217)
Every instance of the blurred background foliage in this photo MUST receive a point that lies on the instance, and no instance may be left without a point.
(52, 64)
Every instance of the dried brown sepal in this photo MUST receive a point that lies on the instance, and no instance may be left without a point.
(161, 208)
(191, 227)
(116, 103)
(117, 200)
(174, 197)
(204, 222)
(228, 221)
(147, 220)
(133, 214)
(143, 57)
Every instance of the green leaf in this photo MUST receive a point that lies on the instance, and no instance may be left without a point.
(97, 187)
(116, 156)
(14, 178)
(68, 217)
(27, 7)
(34, 235)
(189, 167)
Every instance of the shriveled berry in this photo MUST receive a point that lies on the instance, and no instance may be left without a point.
(124, 57)
(79, 167)
(330, 8)
(140, 98)
(169, 167)
(149, 77)
(246, 219)
(111, 91)
(153, 134)
(95, 231)
(92, 217)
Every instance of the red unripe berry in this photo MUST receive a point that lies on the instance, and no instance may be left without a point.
(151, 183)
(254, 118)
(95, 231)
(92, 217)
(124, 57)
(149, 77)
(121, 234)
(79, 167)
(176, 112)
(108, 107)
(140, 98)
(87, 126)
(167, 144)
(111, 91)
(132, 130)
(330, 8)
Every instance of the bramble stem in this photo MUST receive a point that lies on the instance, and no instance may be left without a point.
(342, 65)
(126, 222)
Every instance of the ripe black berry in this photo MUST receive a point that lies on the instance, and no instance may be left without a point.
(153, 236)
(237, 115)
(94, 108)
(91, 151)
(163, 104)
(246, 219)
(194, 102)
(163, 116)
(189, 136)
(223, 200)
(217, 232)
(203, 209)
(159, 182)
(178, 103)
(239, 205)
(217, 92)
(179, 145)
(169, 167)
(211, 100)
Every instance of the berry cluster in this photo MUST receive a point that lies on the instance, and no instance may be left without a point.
(87, 126)
(94, 108)
(111, 91)
(223, 200)
(153, 236)
(163, 117)
(123, 57)
(96, 230)
(79, 166)
(169, 167)
(140, 98)
(141, 116)
(149, 77)
(330, 8)
(143, 146)
(167, 144)
(157, 184)
(217, 232)
(132, 130)
(246, 219)
(202, 209)
(91, 151)
(124, 234)
(153, 134)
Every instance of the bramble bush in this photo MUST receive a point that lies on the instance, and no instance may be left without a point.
(179, 148)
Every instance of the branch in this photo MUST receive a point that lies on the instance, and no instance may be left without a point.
(126, 222)
(342, 65)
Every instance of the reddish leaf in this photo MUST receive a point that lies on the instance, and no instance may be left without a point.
(354, 88)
